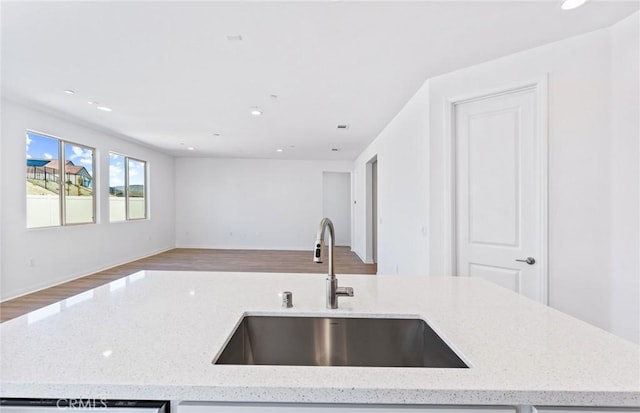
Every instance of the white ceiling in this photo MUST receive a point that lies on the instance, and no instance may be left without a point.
(173, 79)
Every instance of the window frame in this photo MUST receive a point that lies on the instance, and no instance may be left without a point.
(61, 172)
(126, 187)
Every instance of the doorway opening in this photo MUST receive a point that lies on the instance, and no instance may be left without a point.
(372, 211)
(336, 204)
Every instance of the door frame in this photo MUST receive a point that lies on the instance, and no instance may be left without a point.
(370, 227)
(540, 88)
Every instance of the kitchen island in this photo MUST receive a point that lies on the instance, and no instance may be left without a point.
(154, 335)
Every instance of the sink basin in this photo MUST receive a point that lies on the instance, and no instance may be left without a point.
(332, 341)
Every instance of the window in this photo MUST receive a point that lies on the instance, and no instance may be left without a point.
(117, 205)
(58, 195)
(127, 188)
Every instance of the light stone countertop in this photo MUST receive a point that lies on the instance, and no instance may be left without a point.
(154, 334)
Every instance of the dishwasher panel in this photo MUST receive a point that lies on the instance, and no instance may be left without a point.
(82, 406)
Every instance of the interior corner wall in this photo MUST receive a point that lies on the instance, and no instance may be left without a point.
(63, 253)
(593, 173)
(250, 203)
(625, 179)
(402, 153)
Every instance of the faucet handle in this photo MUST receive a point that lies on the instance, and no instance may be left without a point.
(287, 299)
(344, 291)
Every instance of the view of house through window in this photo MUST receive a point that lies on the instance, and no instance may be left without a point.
(127, 188)
(58, 195)
(78, 184)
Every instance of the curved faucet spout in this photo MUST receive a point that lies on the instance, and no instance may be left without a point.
(333, 291)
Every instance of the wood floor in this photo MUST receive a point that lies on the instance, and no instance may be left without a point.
(187, 259)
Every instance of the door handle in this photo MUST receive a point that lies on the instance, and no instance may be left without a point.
(529, 260)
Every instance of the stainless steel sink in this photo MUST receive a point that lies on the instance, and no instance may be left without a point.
(329, 341)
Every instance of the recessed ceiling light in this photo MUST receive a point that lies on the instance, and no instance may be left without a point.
(273, 96)
(256, 112)
(69, 92)
(572, 4)
(343, 126)
(191, 148)
(234, 37)
(104, 108)
(279, 150)
(335, 149)
(91, 102)
(216, 134)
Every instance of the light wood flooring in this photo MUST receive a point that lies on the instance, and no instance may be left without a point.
(188, 259)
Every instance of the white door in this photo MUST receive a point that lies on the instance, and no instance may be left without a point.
(499, 192)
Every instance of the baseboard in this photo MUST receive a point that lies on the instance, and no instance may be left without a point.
(44, 286)
(244, 247)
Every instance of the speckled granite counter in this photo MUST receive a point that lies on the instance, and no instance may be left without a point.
(153, 335)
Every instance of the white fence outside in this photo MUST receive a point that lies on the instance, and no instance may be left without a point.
(44, 210)
(79, 209)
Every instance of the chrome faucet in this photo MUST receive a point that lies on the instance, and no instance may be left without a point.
(333, 291)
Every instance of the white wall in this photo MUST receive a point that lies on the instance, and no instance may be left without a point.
(95, 246)
(593, 173)
(249, 203)
(580, 178)
(625, 188)
(1, 197)
(579, 166)
(401, 151)
(336, 204)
